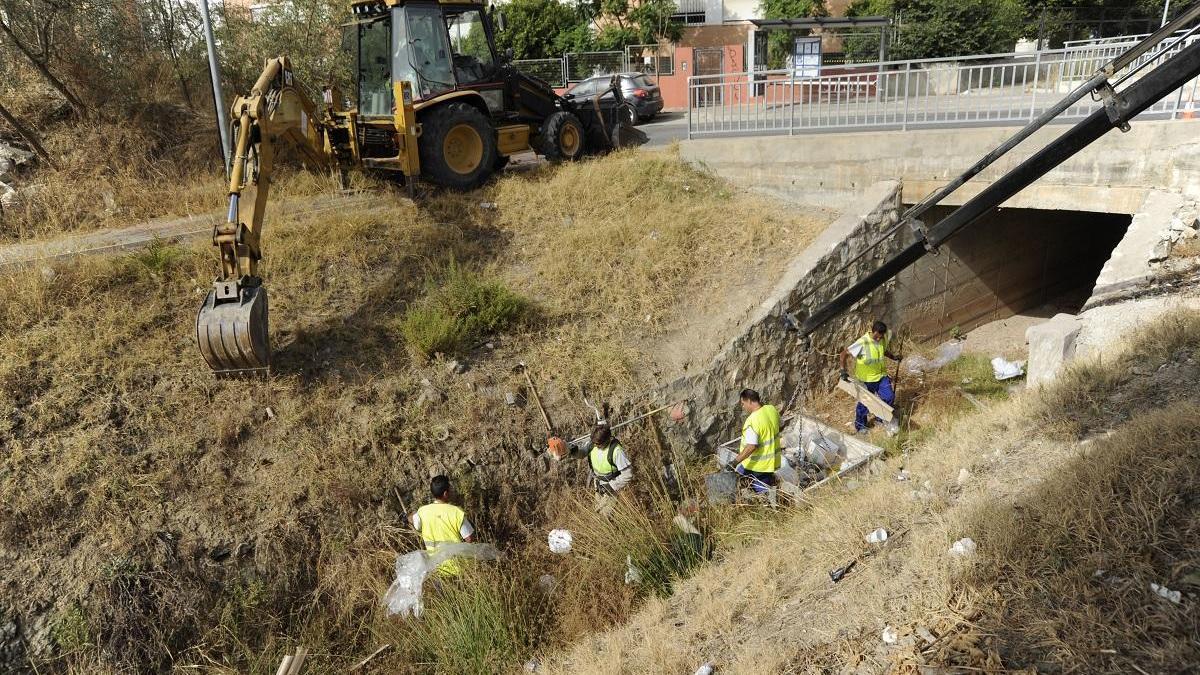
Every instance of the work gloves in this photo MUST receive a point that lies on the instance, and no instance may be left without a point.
(845, 375)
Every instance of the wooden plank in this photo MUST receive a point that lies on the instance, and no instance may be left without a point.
(875, 404)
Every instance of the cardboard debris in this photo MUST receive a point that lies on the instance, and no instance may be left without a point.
(858, 391)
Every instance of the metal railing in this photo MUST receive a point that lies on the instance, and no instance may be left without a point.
(582, 65)
(553, 71)
(993, 89)
(655, 59)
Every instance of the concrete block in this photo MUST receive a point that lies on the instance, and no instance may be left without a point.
(1051, 346)
(1128, 268)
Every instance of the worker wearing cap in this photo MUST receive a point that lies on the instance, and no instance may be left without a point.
(441, 523)
(760, 454)
(610, 465)
(870, 368)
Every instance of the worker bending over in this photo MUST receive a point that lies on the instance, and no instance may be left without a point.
(441, 523)
(610, 465)
(870, 368)
(760, 455)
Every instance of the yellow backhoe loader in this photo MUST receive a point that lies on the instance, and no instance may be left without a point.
(434, 101)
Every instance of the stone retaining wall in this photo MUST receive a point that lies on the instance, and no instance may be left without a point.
(768, 356)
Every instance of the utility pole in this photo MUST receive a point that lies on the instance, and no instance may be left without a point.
(1166, 8)
(214, 71)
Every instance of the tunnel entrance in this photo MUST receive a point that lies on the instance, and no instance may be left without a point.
(1013, 261)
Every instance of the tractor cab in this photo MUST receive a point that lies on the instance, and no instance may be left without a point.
(436, 47)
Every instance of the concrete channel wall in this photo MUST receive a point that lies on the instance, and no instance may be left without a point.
(1113, 175)
(767, 356)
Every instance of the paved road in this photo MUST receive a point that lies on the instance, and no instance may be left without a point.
(665, 128)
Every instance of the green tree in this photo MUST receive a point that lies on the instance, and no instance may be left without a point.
(937, 28)
(779, 43)
(539, 29)
(619, 23)
(1059, 20)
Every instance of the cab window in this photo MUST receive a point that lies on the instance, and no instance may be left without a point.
(374, 76)
(473, 59)
(421, 50)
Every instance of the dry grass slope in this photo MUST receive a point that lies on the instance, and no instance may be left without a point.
(152, 516)
(1071, 534)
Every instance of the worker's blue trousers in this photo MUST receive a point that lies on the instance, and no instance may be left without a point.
(761, 482)
(883, 389)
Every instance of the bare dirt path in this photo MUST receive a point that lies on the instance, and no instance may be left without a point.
(162, 229)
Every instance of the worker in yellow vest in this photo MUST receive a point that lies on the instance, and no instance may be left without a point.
(870, 368)
(760, 455)
(610, 465)
(441, 523)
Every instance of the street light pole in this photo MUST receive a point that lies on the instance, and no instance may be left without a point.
(214, 70)
(1166, 8)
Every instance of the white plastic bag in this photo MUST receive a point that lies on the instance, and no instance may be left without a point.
(404, 595)
(1006, 370)
(559, 541)
(963, 548)
(947, 352)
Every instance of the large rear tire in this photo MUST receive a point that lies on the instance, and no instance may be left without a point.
(457, 146)
(562, 137)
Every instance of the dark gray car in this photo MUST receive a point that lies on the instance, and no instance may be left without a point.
(638, 89)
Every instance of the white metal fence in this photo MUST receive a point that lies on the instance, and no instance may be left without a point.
(550, 70)
(994, 89)
(656, 60)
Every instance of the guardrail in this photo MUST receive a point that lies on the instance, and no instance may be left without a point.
(992, 89)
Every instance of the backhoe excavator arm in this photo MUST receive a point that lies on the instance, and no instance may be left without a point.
(231, 327)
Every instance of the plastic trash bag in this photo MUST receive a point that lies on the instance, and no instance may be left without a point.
(404, 595)
(946, 353)
(963, 548)
(1006, 370)
(877, 536)
(559, 541)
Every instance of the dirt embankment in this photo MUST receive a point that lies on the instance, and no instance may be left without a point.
(151, 515)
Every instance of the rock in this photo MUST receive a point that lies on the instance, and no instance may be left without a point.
(14, 156)
(1177, 225)
(1051, 346)
(1188, 234)
(430, 396)
(456, 367)
(510, 398)
(1162, 249)
(963, 477)
(8, 196)
(48, 274)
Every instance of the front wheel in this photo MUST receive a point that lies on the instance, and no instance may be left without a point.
(457, 146)
(561, 139)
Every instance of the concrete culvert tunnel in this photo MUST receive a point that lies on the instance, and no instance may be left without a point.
(1013, 261)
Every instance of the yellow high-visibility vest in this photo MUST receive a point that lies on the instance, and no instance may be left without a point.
(768, 455)
(441, 524)
(603, 461)
(869, 366)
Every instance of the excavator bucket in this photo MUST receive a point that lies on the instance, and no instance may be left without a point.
(232, 331)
